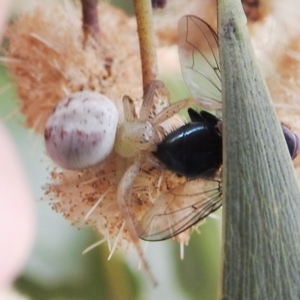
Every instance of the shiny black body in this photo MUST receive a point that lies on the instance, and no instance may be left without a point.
(195, 149)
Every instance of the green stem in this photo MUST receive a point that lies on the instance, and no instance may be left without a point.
(261, 212)
(143, 12)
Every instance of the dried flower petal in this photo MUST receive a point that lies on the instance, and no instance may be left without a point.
(48, 59)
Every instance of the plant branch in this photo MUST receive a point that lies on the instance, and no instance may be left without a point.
(90, 24)
(261, 209)
(143, 12)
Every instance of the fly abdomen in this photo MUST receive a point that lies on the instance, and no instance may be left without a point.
(193, 150)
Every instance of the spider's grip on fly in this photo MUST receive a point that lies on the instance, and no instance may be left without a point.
(195, 149)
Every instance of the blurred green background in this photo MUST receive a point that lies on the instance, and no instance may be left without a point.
(57, 269)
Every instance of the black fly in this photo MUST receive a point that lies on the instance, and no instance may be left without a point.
(195, 149)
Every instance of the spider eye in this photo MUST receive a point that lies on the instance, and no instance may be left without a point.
(80, 132)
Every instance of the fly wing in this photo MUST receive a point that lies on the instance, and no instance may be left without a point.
(199, 58)
(180, 208)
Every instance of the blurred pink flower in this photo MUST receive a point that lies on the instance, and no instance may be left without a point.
(17, 219)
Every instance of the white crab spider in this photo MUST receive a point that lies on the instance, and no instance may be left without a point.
(82, 131)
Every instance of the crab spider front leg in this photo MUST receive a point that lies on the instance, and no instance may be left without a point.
(123, 198)
(158, 87)
(155, 88)
(172, 110)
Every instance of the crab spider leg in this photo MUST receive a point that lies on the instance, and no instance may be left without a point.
(171, 110)
(128, 107)
(153, 87)
(123, 194)
(159, 86)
